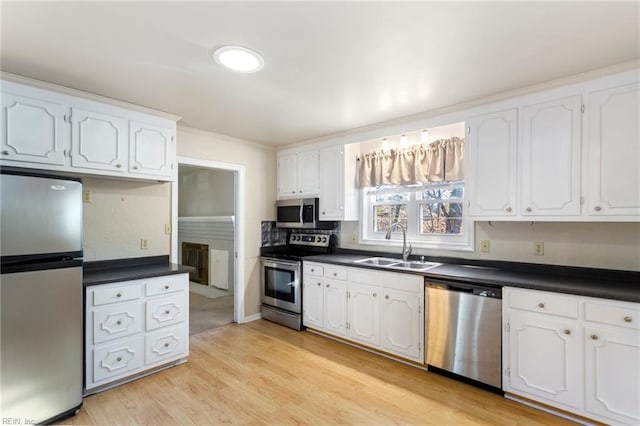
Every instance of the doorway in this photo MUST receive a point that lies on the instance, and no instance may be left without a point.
(206, 238)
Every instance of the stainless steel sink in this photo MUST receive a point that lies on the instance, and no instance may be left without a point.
(388, 263)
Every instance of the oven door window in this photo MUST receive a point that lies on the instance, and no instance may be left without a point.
(279, 284)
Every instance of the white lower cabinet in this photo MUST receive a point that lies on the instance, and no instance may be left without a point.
(380, 310)
(134, 326)
(578, 354)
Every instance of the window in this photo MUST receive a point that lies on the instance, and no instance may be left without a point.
(433, 215)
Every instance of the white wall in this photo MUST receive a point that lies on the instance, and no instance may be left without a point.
(593, 245)
(123, 212)
(205, 192)
(259, 197)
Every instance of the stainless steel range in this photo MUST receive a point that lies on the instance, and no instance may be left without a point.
(281, 277)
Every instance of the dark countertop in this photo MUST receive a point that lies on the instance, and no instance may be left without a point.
(109, 271)
(608, 284)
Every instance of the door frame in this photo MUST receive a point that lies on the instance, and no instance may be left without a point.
(239, 213)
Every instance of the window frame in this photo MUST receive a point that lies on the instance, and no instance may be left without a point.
(368, 234)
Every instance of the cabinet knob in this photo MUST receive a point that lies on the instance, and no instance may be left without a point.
(324, 213)
(541, 305)
(166, 287)
(119, 359)
(293, 192)
(594, 337)
(319, 284)
(597, 208)
(5, 152)
(627, 319)
(119, 295)
(567, 332)
(375, 294)
(166, 345)
(528, 209)
(167, 312)
(508, 209)
(386, 296)
(118, 165)
(335, 274)
(135, 167)
(327, 285)
(313, 270)
(119, 322)
(300, 192)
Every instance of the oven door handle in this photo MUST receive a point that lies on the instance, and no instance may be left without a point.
(294, 266)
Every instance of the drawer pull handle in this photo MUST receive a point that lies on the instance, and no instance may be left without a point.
(5, 152)
(597, 208)
(594, 337)
(119, 359)
(627, 319)
(166, 345)
(567, 332)
(166, 287)
(541, 305)
(167, 312)
(119, 295)
(119, 322)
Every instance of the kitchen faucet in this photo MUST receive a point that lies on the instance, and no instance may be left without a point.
(406, 251)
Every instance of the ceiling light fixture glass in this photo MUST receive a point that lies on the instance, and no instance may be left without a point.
(424, 136)
(239, 59)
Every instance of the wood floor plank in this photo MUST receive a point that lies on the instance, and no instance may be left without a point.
(263, 373)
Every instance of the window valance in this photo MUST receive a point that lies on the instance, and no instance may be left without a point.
(439, 161)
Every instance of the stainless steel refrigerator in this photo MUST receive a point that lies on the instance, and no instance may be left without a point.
(40, 296)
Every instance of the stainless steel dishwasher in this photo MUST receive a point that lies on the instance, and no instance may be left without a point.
(463, 325)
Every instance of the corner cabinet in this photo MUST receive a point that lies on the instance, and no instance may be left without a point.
(379, 310)
(53, 131)
(578, 354)
(133, 328)
(298, 175)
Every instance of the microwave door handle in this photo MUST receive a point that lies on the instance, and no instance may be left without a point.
(301, 209)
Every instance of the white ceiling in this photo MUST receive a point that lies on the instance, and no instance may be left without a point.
(329, 67)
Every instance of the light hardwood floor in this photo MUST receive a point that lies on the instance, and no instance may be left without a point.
(263, 373)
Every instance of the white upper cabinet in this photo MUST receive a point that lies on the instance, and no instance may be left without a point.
(54, 131)
(338, 192)
(98, 141)
(298, 175)
(492, 144)
(613, 151)
(32, 131)
(551, 140)
(150, 149)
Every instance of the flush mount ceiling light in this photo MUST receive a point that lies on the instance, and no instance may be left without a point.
(239, 59)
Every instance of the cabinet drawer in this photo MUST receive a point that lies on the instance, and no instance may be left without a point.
(108, 294)
(626, 315)
(365, 276)
(167, 311)
(544, 302)
(168, 284)
(166, 344)
(335, 273)
(405, 282)
(117, 359)
(117, 321)
(313, 269)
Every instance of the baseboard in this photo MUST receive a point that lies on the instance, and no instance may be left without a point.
(250, 318)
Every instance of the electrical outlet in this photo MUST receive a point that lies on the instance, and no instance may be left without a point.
(144, 244)
(354, 239)
(538, 248)
(167, 228)
(87, 197)
(484, 246)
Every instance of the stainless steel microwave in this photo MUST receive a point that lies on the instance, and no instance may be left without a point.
(298, 213)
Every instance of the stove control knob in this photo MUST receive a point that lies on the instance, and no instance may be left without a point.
(324, 239)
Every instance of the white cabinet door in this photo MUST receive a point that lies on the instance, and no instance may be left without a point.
(32, 130)
(542, 360)
(332, 189)
(492, 145)
(99, 141)
(151, 150)
(364, 313)
(614, 151)
(167, 311)
(612, 374)
(335, 307)
(287, 176)
(551, 140)
(313, 302)
(403, 324)
(308, 179)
